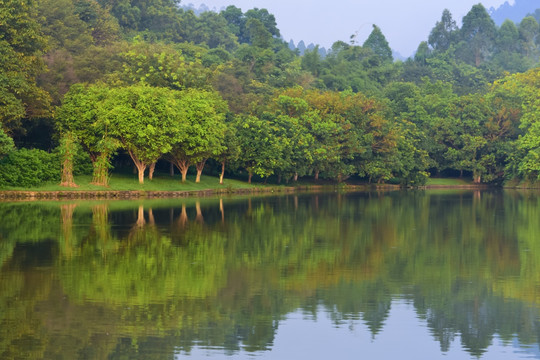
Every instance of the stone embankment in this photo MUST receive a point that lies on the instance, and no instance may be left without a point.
(135, 194)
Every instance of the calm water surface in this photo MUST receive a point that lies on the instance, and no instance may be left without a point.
(398, 275)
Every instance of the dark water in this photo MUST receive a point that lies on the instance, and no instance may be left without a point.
(399, 275)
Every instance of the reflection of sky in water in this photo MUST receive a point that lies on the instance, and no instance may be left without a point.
(403, 336)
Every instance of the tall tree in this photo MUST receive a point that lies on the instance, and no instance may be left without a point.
(260, 147)
(203, 113)
(529, 34)
(21, 45)
(146, 120)
(444, 33)
(79, 116)
(477, 34)
(377, 42)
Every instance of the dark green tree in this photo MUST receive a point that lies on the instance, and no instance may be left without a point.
(444, 33)
(22, 44)
(477, 36)
(377, 42)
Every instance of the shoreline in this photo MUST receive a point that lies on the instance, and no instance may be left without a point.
(155, 194)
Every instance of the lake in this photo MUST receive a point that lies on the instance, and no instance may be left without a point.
(369, 275)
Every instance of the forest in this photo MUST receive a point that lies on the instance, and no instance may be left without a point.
(97, 86)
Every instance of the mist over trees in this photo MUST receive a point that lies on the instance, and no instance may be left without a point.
(515, 12)
(466, 104)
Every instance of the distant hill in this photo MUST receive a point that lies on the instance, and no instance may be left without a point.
(198, 10)
(515, 12)
(301, 47)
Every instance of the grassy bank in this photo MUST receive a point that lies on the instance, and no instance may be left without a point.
(449, 182)
(127, 186)
(122, 182)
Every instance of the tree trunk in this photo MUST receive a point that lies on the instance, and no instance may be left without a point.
(140, 165)
(295, 179)
(171, 170)
(477, 178)
(200, 167)
(183, 167)
(222, 175)
(317, 174)
(183, 171)
(100, 164)
(68, 145)
(141, 168)
(67, 174)
(279, 179)
(249, 177)
(151, 170)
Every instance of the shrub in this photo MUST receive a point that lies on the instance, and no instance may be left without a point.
(29, 167)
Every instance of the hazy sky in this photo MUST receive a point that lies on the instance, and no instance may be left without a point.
(405, 23)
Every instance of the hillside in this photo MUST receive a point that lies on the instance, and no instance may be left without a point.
(515, 12)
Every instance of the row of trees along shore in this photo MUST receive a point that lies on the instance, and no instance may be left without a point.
(86, 82)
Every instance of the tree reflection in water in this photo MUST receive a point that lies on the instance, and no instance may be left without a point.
(146, 279)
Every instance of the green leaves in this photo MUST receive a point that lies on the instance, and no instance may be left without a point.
(21, 46)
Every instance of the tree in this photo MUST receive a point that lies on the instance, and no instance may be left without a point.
(267, 20)
(256, 26)
(6, 144)
(444, 33)
(291, 115)
(509, 48)
(160, 19)
(258, 35)
(163, 65)
(146, 120)
(523, 88)
(260, 148)
(235, 19)
(80, 116)
(422, 53)
(208, 28)
(477, 34)
(21, 45)
(68, 149)
(377, 42)
(311, 61)
(529, 34)
(203, 114)
(232, 152)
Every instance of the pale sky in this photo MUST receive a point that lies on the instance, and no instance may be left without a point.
(404, 23)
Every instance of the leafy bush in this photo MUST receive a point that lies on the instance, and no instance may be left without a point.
(6, 143)
(29, 167)
(83, 164)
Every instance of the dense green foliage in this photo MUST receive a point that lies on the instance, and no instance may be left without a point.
(465, 103)
(29, 167)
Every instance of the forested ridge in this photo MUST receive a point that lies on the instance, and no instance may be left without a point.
(87, 84)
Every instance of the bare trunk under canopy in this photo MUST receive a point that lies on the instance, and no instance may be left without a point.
(183, 166)
(222, 175)
(140, 165)
(200, 167)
